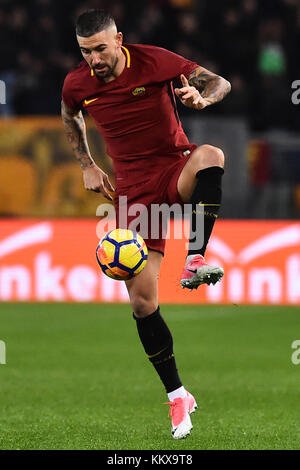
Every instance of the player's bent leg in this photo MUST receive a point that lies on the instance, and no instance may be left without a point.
(157, 341)
(200, 185)
(203, 157)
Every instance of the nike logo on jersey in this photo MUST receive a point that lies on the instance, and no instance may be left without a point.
(138, 91)
(90, 101)
(192, 270)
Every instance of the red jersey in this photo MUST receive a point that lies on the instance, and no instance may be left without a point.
(136, 113)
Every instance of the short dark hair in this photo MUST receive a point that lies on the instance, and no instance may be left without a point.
(93, 21)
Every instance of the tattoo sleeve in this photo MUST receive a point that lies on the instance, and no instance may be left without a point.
(75, 130)
(212, 87)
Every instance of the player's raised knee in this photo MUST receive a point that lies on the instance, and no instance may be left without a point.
(212, 156)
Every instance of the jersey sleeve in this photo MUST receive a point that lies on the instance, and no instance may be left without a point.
(69, 93)
(169, 66)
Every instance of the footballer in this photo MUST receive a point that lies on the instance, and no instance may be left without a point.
(128, 91)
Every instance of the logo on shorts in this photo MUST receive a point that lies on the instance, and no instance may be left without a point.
(139, 91)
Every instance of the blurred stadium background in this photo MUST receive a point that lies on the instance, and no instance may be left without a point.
(48, 221)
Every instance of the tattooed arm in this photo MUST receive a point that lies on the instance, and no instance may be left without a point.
(94, 178)
(211, 86)
(76, 134)
(202, 89)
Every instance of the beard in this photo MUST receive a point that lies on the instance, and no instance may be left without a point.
(107, 70)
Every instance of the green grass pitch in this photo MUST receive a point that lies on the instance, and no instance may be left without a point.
(77, 377)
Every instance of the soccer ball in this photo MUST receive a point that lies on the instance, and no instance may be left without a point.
(122, 254)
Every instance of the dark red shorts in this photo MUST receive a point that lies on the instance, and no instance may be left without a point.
(159, 188)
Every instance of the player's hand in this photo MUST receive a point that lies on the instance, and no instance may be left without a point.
(189, 95)
(96, 180)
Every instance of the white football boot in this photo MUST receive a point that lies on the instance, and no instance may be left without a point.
(180, 410)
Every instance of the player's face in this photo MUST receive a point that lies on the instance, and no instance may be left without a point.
(102, 51)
